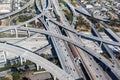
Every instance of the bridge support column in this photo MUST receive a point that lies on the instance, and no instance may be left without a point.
(4, 55)
(36, 22)
(37, 67)
(26, 25)
(11, 31)
(25, 60)
(28, 32)
(9, 17)
(21, 60)
(41, 67)
(54, 77)
(16, 32)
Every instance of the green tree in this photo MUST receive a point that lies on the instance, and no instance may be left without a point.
(27, 0)
(16, 76)
(4, 78)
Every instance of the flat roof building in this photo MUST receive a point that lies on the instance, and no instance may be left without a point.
(5, 6)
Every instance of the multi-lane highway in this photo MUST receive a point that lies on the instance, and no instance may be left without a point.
(59, 45)
(76, 59)
(50, 67)
(17, 11)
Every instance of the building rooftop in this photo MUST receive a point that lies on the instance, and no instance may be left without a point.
(5, 6)
(4, 1)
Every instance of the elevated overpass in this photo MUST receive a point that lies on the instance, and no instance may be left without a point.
(50, 67)
(91, 52)
(16, 11)
(46, 5)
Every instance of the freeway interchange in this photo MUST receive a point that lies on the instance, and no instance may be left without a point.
(76, 59)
